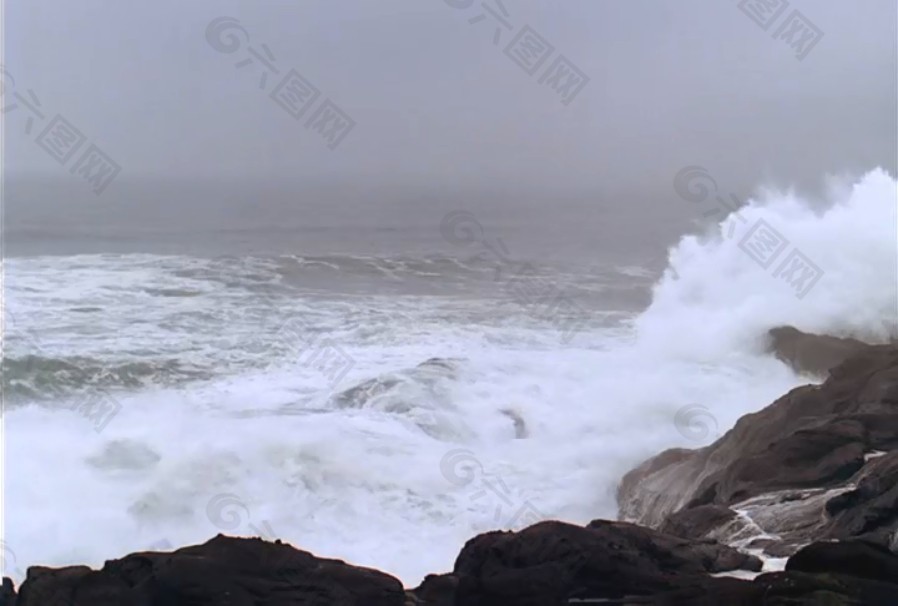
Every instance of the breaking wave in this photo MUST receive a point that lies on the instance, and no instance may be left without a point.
(456, 411)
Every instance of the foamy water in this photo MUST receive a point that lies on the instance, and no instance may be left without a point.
(222, 428)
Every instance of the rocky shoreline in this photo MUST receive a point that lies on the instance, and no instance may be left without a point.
(810, 481)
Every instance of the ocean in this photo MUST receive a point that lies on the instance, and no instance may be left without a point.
(384, 404)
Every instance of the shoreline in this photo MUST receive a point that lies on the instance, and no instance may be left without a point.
(728, 521)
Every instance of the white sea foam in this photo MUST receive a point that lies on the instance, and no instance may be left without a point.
(260, 449)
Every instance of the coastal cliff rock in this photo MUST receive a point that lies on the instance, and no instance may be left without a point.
(224, 571)
(557, 564)
(819, 463)
(809, 353)
(551, 562)
(548, 564)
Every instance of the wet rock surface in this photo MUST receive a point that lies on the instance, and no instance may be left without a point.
(819, 463)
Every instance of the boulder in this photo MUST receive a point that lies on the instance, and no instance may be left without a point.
(849, 558)
(554, 562)
(613, 563)
(794, 588)
(225, 571)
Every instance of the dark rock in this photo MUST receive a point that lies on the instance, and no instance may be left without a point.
(713, 556)
(520, 427)
(551, 562)
(224, 571)
(548, 564)
(849, 558)
(7, 593)
(871, 509)
(794, 588)
(812, 354)
(45, 585)
(774, 548)
(449, 365)
(646, 494)
(613, 563)
(800, 469)
(697, 522)
(436, 590)
(405, 386)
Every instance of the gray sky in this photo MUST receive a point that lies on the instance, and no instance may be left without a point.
(437, 104)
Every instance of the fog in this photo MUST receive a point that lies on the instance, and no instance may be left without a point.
(439, 109)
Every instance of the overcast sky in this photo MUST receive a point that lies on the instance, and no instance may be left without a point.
(436, 101)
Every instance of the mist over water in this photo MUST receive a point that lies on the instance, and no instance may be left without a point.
(461, 409)
(478, 309)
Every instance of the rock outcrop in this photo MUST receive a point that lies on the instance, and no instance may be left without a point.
(854, 558)
(819, 463)
(809, 353)
(224, 571)
(548, 564)
(551, 562)
(556, 564)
